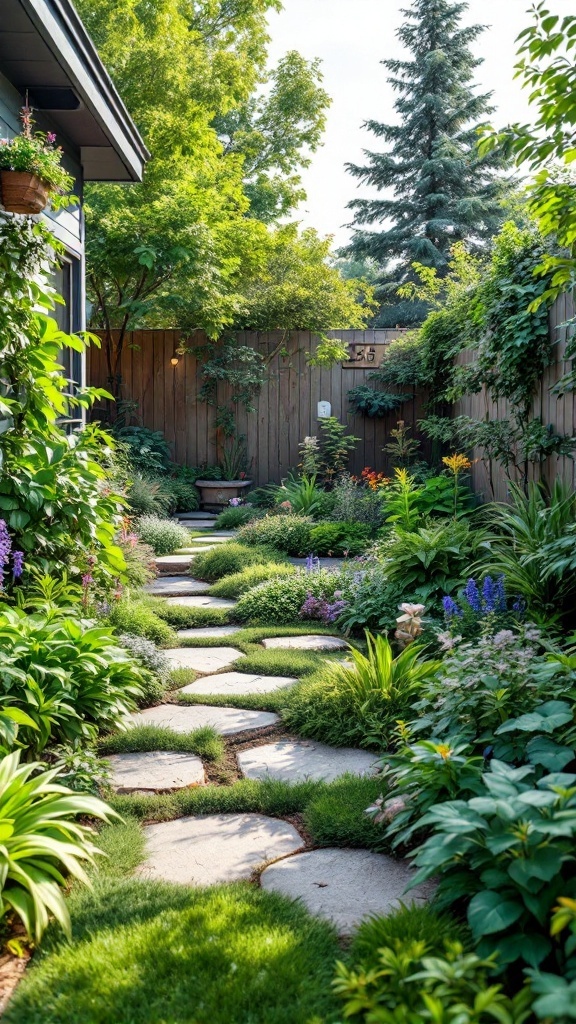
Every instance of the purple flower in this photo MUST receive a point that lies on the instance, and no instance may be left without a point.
(51, 138)
(5, 547)
(519, 606)
(17, 564)
(450, 607)
(87, 579)
(489, 595)
(472, 595)
(312, 563)
(235, 502)
(500, 595)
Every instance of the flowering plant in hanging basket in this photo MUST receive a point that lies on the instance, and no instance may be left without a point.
(31, 170)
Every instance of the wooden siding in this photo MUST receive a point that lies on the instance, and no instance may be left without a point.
(286, 410)
(558, 412)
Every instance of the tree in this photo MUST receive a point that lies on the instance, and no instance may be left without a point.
(275, 133)
(441, 190)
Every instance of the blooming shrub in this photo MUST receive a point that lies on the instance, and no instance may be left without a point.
(153, 661)
(287, 533)
(320, 608)
(163, 535)
(354, 503)
(279, 601)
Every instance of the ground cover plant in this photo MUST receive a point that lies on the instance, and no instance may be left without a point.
(237, 583)
(288, 533)
(231, 558)
(281, 601)
(163, 535)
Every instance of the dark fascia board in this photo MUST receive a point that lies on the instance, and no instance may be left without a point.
(59, 25)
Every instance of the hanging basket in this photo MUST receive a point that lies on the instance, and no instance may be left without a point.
(23, 192)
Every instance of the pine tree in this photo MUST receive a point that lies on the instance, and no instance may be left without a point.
(440, 190)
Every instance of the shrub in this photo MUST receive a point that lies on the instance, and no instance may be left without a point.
(372, 600)
(163, 535)
(304, 496)
(239, 582)
(139, 558)
(280, 600)
(232, 517)
(149, 452)
(354, 503)
(432, 561)
(413, 923)
(182, 617)
(154, 661)
(288, 533)
(147, 495)
(70, 677)
(229, 559)
(484, 852)
(339, 538)
(137, 618)
(42, 843)
(360, 705)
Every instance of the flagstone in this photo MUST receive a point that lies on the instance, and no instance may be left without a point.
(216, 848)
(202, 659)
(300, 760)
(345, 886)
(155, 770)
(202, 601)
(187, 717)
(201, 632)
(171, 586)
(238, 683)
(312, 642)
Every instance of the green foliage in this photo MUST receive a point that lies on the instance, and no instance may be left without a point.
(403, 363)
(37, 153)
(279, 600)
(304, 496)
(409, 984)
(148, 451)
(335, 817)
(336, 446)
(204, 742)
(441, 191)
(530, 544)
(288, 533)
(412, 923)
(372, 601)
(147, 495)
(358, 706)
(509, 854)
(232, 517)
(139, 558)
(356, 504)
(158, 667)
(182, 617)
(235, 927)
(233, 557)
(232, 586)
(339, 539)
(366, 401)
(431, 561)
(261, 661)
(137, 618)
(42, 843)
(69, 676)
(163, 535)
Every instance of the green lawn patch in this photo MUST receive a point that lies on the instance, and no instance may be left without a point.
(148, 952)
(274, 701)
(336, 816)
(275, 662)
(180, 616)
(204, 742)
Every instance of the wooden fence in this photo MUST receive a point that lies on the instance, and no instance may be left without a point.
(559, 412)
(286, 410)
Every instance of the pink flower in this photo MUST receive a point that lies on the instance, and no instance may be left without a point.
(51, 138)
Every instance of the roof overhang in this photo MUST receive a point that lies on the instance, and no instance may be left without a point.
(45, 49)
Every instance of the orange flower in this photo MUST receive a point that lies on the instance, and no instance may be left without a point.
(456, 463)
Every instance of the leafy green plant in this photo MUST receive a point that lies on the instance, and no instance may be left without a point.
(232, 517)
(415, 922)
(147, 495)
(430, 561)
(156, 664)
(42, 843)
(304, 495)
(339, 539)
(289, 533)
(163, 535)
(239, 582)
(509, 855)
(148, 450)
(336, 446)
(230, 559)
(70, 677)
(356, 504)
(372, 601)
(369, 402)
(279, 601)
(137, 618)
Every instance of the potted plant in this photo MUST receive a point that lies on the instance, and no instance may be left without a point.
(31, 169)
(233, 460)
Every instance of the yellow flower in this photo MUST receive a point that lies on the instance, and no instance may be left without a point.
(444, 751)
(401, 476)
(457, 463)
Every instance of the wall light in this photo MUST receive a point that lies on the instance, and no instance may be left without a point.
(174, 360)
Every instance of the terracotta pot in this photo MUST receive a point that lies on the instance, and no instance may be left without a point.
(217, 493)
(23, 192)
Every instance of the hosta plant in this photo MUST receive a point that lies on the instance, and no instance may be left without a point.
(507, 856)
(41, 843)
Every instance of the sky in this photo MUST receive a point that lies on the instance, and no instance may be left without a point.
(351, 37)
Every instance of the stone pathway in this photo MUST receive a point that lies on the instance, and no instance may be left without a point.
(155, 771)
(192, 517)
(176, 586)
(237, 683)
(203, 659)
(298, 761)
(306, 643)
(222, 537)
(217, 848)
(199, 601)
(201, 632)
(187, 717)
(345, 885)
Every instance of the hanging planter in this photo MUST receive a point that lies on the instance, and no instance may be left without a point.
(23, 192)
(31, 171)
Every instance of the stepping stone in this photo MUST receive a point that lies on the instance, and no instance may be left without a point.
(205, 631)
(238, 683)
(155, 770)
(219, 538)
(202, 659)
(202, 602)
(307, 643)
(186, 717)
(202, 516)
(304, 759)
(216, 848)
(199, 524)
(345, 885)
(178, 558)
(223, 533)
(170, 586)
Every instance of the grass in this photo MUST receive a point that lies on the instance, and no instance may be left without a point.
(204, 742)
(335, 816)
(274, 662)
(181, 677)
(181, 617)
(254, 634)
(239, 582)
(274, 701)
(146, 952)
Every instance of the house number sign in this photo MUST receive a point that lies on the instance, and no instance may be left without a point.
(362, 355)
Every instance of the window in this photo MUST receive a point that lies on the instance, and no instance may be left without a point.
(66, 282)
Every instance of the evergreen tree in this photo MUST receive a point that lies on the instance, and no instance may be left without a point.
(440, 190)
